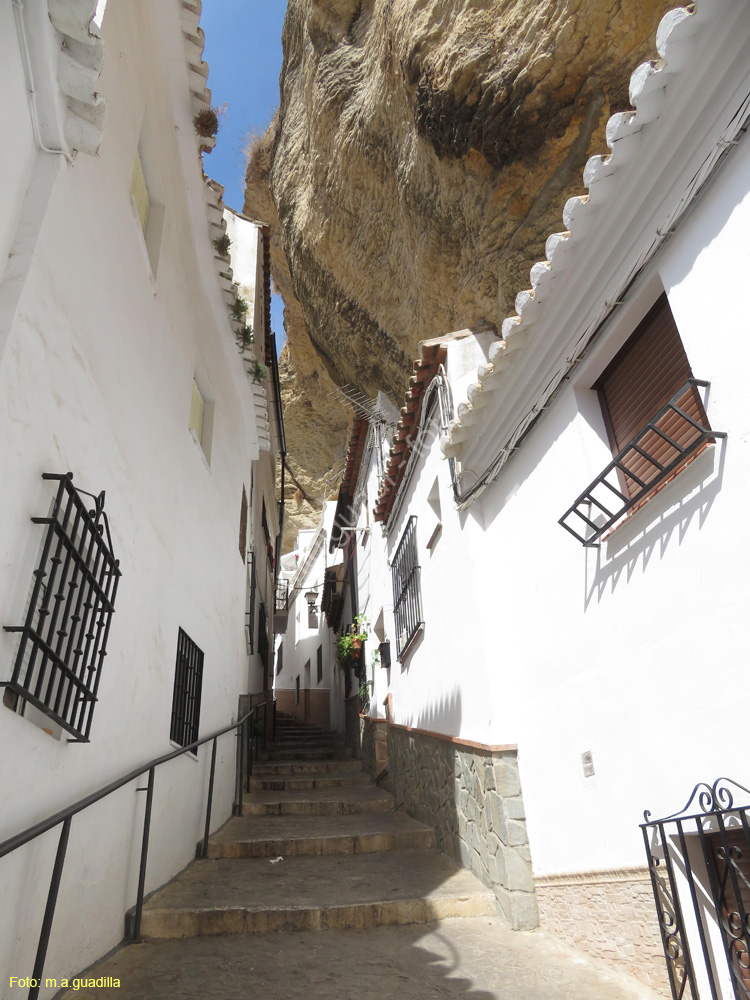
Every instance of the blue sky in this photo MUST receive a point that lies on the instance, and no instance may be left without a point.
(243, 52)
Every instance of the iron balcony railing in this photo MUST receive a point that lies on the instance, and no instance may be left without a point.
(657, 450)
(251, 732)
(282, 596)
(699, 863)
(407, 597)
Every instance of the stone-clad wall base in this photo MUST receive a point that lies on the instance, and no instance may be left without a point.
(374, 744)
(472, 797)
(611, 915)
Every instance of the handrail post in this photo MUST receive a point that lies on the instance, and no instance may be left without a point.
(49, 911)
(144, 855)
(210, 799)
(240, 769)
(249, 729)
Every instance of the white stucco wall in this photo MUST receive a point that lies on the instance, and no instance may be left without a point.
(300, 641)
(19, 137)
(95, 378)
(635, 651)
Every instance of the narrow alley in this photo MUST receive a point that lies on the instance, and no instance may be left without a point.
(320, 849)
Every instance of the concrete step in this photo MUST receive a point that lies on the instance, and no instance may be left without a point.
(315, 739)
(287, 836)
(318, 802)
(304, 744)
(321, 753)
(333, 779)
(301, 729)
(311, 894)
(304, 767)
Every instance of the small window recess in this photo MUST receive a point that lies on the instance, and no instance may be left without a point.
(201, 419)
(296, 691)
(587, 763)
(147, 195)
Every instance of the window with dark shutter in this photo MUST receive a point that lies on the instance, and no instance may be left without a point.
(647, 372)
(654, 412)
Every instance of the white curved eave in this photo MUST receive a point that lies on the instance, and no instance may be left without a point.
(193, 39)
(79, 64)
(647, 91)
(200, 98)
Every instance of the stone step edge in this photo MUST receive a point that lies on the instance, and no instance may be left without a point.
(298, 783)
(317, 807)
(209, 921)
(284, 768)
(345, 843)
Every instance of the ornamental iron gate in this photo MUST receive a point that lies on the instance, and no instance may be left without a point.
(699, 862)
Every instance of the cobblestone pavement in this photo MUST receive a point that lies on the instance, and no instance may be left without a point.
(477, 959)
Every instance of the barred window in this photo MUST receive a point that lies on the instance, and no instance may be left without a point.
(250, 603)
(320, 663)
(186, 699)
(407, 598)
(243, 524)
(68, 613)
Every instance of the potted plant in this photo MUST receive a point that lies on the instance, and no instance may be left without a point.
(350, 643)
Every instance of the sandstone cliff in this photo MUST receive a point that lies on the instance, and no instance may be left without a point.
(422, 152)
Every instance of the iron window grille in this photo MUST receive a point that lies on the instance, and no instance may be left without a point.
(243, 524)
(407, 598)
(699, 863)
(281, 597)
(320, 664)
(186, 699)
(250, 613)
(64, 636)
(672, 434)
(263, 636)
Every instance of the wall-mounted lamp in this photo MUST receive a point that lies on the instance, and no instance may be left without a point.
(311, 597)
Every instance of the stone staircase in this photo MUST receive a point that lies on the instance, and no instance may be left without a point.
(317, 846)
(320, 849)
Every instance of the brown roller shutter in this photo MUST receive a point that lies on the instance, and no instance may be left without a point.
(646, 373)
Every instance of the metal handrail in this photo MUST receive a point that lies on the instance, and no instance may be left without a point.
(64, 817)
(587, 499)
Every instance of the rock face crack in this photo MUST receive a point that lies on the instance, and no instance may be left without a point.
(422, 153)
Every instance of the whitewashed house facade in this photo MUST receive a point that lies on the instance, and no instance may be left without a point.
(309, 684)
(557, 689)
(120, 364)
